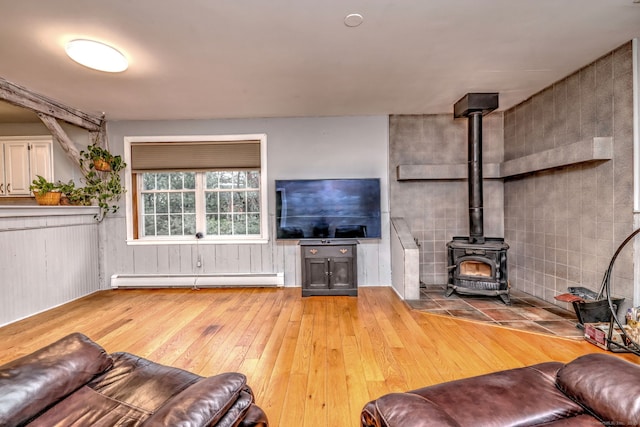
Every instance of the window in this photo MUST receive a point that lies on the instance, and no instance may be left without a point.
(213, 185)
(168, 205)
(232, 202)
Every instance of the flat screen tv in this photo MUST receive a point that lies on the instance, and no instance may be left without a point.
(328, 208)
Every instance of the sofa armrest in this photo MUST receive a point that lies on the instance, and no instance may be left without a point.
(205, 403)
(254, 417)
(404, 410)
(605, 385)
(38, 380)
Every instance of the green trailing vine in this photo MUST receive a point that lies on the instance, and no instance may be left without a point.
(75, 195)
(102, 186)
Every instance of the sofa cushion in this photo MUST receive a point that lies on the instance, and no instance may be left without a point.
(514, 397)
(34, 382)
(139, 382)
(86, 407)
(405, 409)
(607, 385)
(204, 403)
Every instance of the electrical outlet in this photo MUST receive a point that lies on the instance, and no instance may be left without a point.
(199, 262)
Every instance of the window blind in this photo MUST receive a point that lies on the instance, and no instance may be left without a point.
(200, 155)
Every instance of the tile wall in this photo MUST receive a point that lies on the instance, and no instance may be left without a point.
(562, 225)
(438, 210)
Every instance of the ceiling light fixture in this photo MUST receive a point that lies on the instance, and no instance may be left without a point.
(96, 55)
(353, 20)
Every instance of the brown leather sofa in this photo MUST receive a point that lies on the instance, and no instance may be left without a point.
(593, 390)
(75, 382)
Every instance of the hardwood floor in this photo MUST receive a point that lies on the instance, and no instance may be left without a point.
(310, 361)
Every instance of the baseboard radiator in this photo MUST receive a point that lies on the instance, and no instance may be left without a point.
(199, 281)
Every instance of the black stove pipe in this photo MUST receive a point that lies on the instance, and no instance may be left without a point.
(474, 106)
(476, 219)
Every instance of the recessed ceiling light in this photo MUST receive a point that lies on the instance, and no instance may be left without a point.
(353, 20)
(96, 55)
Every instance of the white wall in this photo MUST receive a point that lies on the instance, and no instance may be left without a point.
(320, 147)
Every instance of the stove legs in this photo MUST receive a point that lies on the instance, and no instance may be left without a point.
(505, 298)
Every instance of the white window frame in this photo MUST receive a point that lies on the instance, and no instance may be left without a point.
(163, 240)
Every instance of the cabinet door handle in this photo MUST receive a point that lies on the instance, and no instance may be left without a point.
(1, 187)
(9, 187)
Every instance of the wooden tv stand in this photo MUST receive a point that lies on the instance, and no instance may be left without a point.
(329, 267)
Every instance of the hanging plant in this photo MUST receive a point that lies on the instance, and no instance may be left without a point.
(100, 159)
(101, 165)
(102, 178)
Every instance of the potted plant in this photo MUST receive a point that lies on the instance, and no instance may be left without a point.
(102, 186)
(100, 159)
(72, 195)
(46, 192)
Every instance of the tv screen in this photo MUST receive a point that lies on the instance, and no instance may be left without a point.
(328, 208)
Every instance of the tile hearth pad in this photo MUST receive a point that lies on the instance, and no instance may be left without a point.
(526, 312)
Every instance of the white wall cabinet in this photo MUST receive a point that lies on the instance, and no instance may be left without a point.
(21, 160)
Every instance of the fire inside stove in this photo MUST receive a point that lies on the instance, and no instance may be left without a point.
(475, 268)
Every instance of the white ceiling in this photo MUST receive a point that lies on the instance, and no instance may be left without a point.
(285, 58)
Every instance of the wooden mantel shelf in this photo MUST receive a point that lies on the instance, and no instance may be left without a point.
(588, 150)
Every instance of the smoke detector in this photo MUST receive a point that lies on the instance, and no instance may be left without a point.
(353, 20)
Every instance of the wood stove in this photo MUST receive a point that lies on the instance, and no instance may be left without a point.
(477, 264)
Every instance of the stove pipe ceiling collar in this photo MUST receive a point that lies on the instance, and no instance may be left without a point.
(475, 102)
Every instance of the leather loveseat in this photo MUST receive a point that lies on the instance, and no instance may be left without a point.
(593, 390)
(75, 382)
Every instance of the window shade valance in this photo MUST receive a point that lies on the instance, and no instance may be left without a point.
(200, 155)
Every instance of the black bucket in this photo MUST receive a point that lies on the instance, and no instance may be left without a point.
(592, 309)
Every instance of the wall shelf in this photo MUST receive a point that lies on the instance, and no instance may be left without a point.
(443, 172)
(585, 151)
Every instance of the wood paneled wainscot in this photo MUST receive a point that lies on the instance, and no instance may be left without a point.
(50, 256)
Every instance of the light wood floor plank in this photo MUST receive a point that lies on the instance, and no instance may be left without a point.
(315, 410)
(310, 361)
(354, 377)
